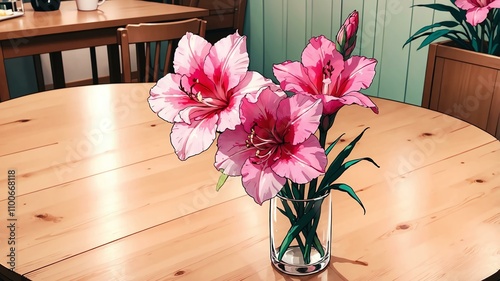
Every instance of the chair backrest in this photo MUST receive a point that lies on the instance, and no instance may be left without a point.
(224, 14)
(145, 34)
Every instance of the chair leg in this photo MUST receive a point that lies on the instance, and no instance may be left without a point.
(56, 65)
(114, 63)
(39, 73)
(141, 64)
(93, 61)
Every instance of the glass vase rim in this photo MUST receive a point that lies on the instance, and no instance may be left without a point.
(306, 199)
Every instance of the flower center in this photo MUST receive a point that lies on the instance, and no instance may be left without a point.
(198, 95)
(265, 143)
(327, 74)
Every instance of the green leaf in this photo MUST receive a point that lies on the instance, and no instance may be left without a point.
(310, 237)
(222, 180)
(428, 27)
(295, 229)
(345, 188)
(291, 217)
(433, 36)
(466, 45)
(339, 47)
(339, 160)
(330, 147)
(494, 48)
(334, 176)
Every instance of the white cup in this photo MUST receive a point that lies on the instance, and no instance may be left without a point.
(88, 5)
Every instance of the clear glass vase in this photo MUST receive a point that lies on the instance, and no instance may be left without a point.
(300, 234)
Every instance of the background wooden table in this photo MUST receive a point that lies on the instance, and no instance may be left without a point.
(70, 29)
(102, 196)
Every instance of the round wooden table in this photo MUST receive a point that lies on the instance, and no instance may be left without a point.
(98, 194)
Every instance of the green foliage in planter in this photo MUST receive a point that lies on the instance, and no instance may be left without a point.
(473, 34)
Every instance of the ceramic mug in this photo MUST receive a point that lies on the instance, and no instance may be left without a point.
(88, 5)
(45, 5)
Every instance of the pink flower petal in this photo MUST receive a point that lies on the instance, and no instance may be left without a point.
(319, 54)
(263, 110)
(358, 74)
(298, 117)
(494, 4)
(190, 54)
(227, 62)
(303, 162)
(331, 104)
(251, 84)
(192, 139)
(195, 113)
(260, 182)
(360, 99)
(464, 4)
(293, 77)
(476, 16)
(232, 151)
(167, 100)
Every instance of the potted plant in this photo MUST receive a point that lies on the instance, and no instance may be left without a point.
(463, 72)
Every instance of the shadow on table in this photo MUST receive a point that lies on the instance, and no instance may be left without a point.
(328, 274)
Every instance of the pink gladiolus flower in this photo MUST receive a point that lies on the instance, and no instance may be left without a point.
(275, 141)
(324, 73)
(477, 10)
(346, 37)
(204, 94)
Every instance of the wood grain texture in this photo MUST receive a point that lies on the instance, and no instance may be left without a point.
(494, 110)
(430, 69)
(463, 97)
(463, 84)
(102, 196)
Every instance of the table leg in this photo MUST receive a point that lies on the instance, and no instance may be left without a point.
(4, 87)
(114, 64)
(56, 65)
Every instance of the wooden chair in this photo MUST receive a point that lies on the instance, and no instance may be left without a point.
(143, 35)
(226, 16)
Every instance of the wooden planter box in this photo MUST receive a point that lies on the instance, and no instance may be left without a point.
(464, 84)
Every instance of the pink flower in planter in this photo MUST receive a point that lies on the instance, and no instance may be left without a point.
(275, 141)
(346, 37)
(324, 74)
(477, 10)
(204, 94)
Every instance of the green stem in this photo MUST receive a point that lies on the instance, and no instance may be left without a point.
(289, 214)
(493, 27)
(300, 225)
(482, 38)
(326, 122)
(312, 236)
(473, 35)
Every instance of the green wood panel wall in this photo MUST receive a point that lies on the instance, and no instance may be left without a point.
(278, 30)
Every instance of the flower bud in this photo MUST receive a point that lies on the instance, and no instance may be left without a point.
(346, 37)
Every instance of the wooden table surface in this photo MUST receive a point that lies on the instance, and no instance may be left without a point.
(100, 195)
(70, 29)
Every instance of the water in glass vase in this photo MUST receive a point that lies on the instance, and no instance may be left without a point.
(300, 234)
